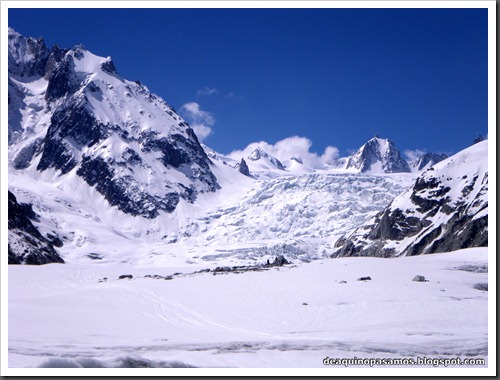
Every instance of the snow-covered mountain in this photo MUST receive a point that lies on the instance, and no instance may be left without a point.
(445, 210)
(72, 115)
(378, 155)
(265, 160)
(426, 160)
(115, 175)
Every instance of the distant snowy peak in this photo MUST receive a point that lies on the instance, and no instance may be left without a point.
(74, 114)
(445, 210)
(260, 155)
(378, 155)
(425, 161)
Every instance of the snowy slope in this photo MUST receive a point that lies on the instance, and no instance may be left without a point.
(446, 209)
(287, 317)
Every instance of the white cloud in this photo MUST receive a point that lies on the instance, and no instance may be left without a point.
(207, 91)
(289, 147)
(412, 155)
(201, 121)
(330, 155)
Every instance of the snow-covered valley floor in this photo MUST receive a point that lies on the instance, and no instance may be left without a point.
(285, 317)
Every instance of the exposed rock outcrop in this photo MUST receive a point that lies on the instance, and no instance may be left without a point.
(26, 243)
(243, 168)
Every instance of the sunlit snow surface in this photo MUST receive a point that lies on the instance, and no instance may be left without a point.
(292, 316)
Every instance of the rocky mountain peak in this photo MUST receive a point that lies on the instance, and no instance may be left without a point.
(259, 154)
(121, 139)
(377, 155)
(27, 56)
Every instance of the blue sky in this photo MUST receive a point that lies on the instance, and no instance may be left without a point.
(335, 76)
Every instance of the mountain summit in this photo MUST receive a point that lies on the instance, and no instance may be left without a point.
(378, 155)
(265, 159)
(71, 113)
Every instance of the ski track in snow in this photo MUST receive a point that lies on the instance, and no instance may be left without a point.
(64, 316)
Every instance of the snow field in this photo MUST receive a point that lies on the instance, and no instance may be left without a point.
(277, 318)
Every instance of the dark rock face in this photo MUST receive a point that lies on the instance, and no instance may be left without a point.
(395, 225)
(419, 278)
(62, 81)
(77, 124)
(27, 57)
(446, 210)
(184, 154)
(124, 192)
(483, 286)
(381, 152)
(26, 154)
(243, 168)
(56, 55)
(109, 67)
(70, 129)
(279, 261)
(26, 243)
